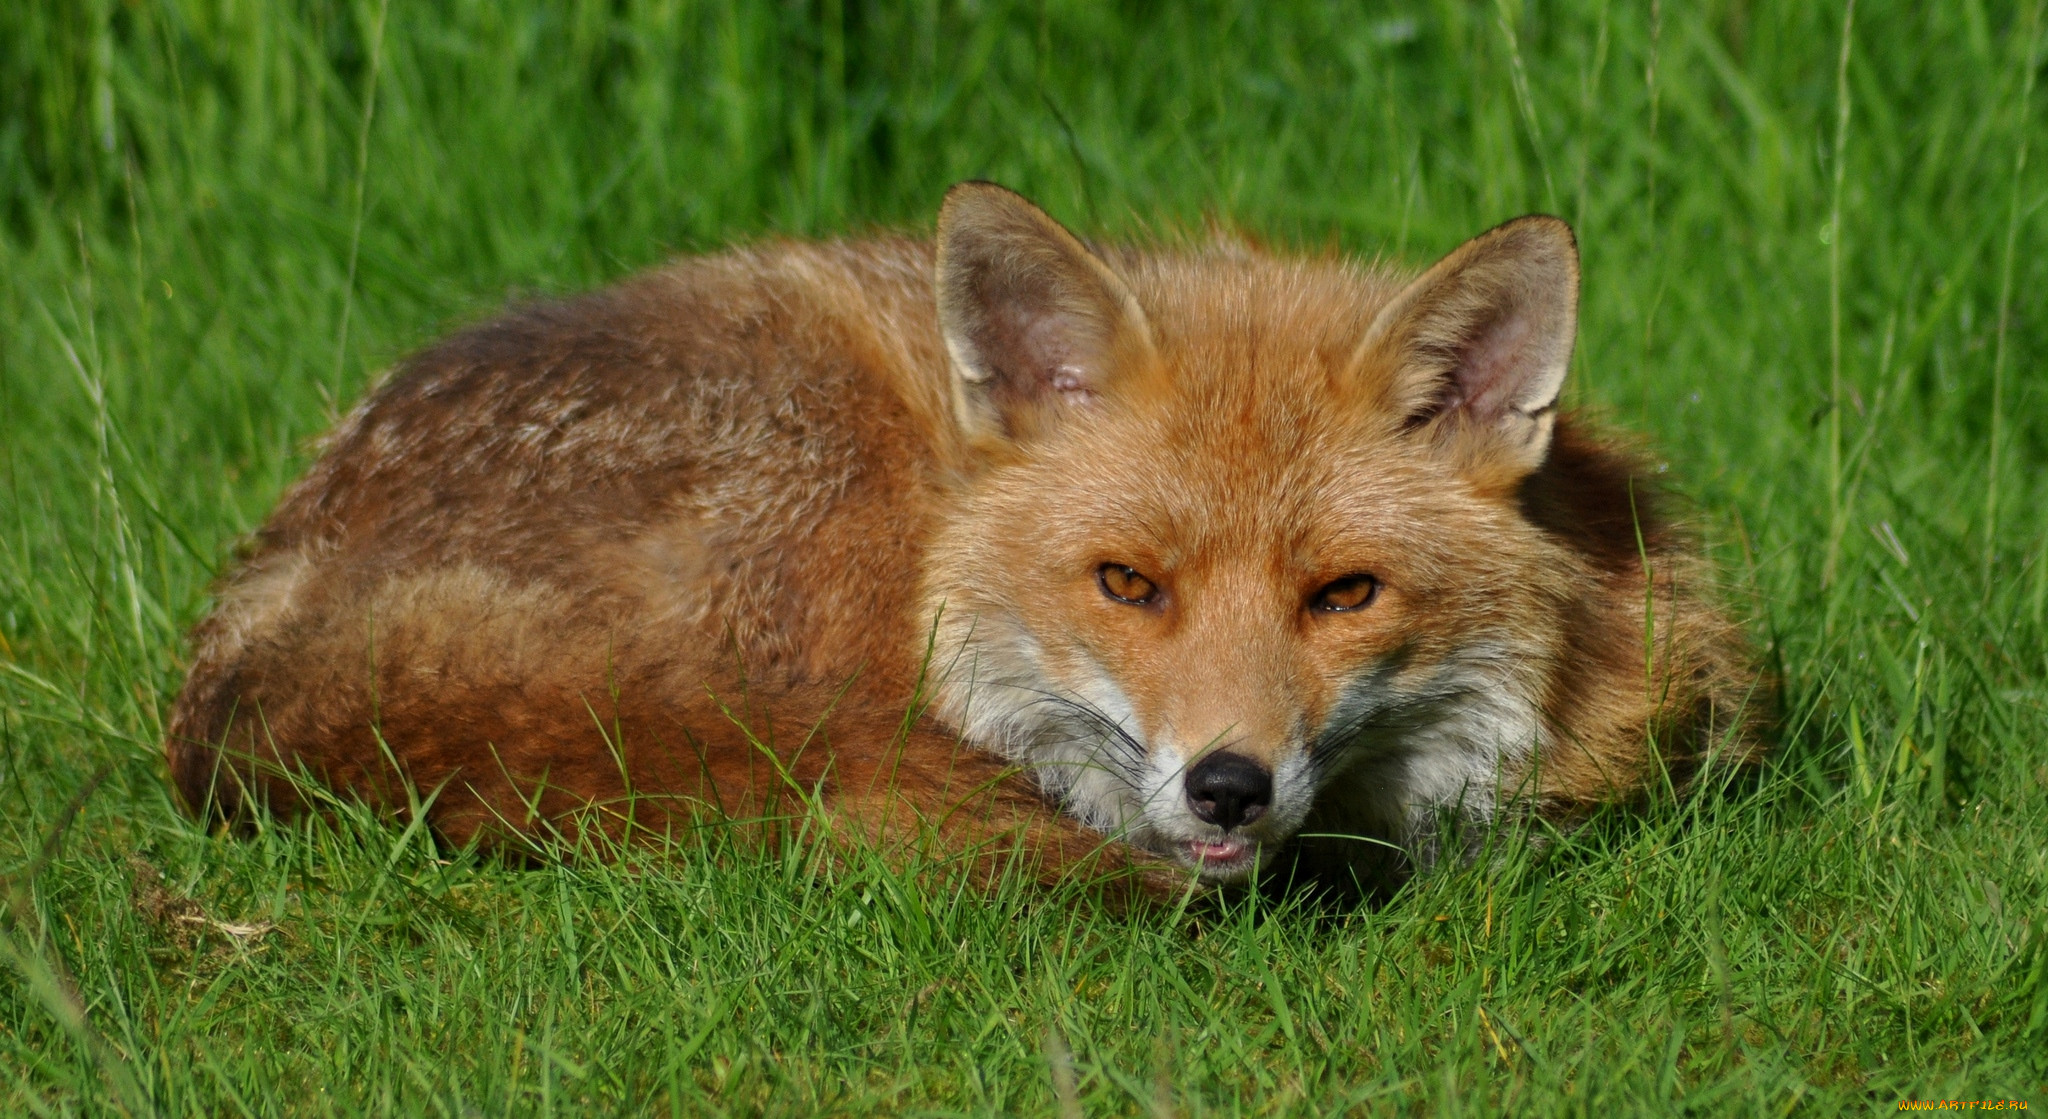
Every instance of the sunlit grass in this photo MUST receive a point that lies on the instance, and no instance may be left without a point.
(1829, 326)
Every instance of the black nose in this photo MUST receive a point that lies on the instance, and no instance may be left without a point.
(1229, 789)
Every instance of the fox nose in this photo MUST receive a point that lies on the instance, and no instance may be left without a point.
(1229, 789)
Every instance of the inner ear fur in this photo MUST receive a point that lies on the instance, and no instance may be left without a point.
(1478, 345)
(1038, 326)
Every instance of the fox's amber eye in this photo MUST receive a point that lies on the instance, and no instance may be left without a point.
(1352, 592)
(1124, 584)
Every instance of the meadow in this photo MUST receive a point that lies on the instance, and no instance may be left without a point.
(1815, 250)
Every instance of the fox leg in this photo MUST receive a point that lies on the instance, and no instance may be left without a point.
(952, 803)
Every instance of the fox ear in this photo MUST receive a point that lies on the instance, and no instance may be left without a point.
(1478, 346)
(1037, 326)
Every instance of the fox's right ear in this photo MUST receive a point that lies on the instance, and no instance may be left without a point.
(1037, 326)
(1478, 345)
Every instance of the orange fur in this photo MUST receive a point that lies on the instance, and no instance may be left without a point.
(696, 543)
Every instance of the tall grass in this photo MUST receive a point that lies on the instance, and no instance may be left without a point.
(1813, 271)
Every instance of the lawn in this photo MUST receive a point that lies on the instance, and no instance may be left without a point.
(1814, 249)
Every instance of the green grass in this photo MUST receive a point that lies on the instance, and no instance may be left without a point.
(1831, 326)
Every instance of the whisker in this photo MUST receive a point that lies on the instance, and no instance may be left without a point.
(1120, 753)
(1086, 710)
(1403, 714)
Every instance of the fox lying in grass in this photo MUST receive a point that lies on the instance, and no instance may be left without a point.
(1231, 558)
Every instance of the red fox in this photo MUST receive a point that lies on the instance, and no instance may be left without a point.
(1190, 560)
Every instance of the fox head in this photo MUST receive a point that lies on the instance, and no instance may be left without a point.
(1240, 537)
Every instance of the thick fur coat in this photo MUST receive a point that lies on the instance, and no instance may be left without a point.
(1149, 557)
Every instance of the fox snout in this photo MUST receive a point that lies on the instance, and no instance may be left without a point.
(1221, 811)
(1229, 790)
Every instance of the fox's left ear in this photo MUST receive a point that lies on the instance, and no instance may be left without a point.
(1477, 346)
(1039, 328)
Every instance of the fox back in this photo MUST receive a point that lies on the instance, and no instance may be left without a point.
(1159, 556)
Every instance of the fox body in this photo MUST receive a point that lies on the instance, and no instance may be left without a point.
(1190, 558)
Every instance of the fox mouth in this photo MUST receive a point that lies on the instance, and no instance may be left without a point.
(1219, 859)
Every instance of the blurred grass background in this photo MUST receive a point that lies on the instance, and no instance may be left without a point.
(1814, 277)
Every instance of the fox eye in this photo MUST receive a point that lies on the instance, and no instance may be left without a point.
(1123, 583)
(1352, 592)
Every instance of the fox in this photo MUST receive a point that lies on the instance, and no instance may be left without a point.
(1195, 561)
